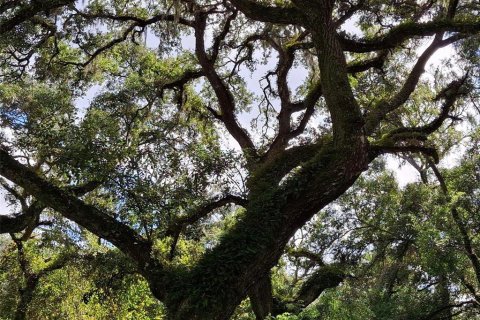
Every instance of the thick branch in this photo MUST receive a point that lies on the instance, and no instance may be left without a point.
(405, 31)
(85, 188)
(221, 36)
(311, 98)
(224, 96)
(385, 107)
(203, 211)
(88, 216)
(14, 224)
(15, 193)
(260, 12)
(278, 165)
(286, 57)
(26, 220)
(326, 277)
(347, 120)
(272, 216)
(177, 226)
(138, 21)
(28, 12)
(180, 82)
(376, 150)
(261, 298)
(349, 13)
(451, 93)
(466, 239)
(361, 66)
(308, 104)
(285, 62)
(304, 253)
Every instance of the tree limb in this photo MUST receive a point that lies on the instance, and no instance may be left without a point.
(28, 12)
(304, 253)
(347, 120)
(88, 216)
(375, 62)
(260, 12)
(376, 150)
(450, 93)
(139, 21)
(326, 277)
(16, 223)
(402, 32)
(261, 298)
(203, 211)
(466, 239)
(175, 228)
(385, 106)
(224, 96)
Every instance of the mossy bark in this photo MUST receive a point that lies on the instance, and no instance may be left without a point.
(261, 299)
(26, 296)
(224, 276)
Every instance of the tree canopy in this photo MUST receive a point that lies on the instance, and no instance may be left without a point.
(184, 159)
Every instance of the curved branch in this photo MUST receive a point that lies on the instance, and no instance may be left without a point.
(15, 193)
(175, 228)
(347, 120)
(139, 21)
(136, 22)
(30, 11)
(450, 93)
(349, 13)
(405, 31)
(304, 253)
(385, 107)
(364, 65)
(286, 57)
(88, 216)
(180, 82)
(203, 211)
(221, 36)
(223, 94)
(279, 164)
(260, 12)
(326, 277)
(16, 223)
(29, 219)
(376, 150)
(85, 188)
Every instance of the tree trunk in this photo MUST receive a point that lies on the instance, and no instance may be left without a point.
(261, 298)
(26, 296)
(223, 277)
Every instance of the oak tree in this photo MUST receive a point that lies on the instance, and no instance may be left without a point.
(130, 119)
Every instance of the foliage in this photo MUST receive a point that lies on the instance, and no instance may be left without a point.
(226, 159)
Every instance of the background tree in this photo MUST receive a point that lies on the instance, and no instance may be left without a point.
(161, 165)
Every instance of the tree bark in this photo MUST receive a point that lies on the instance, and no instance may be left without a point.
(26, 296)
(261, 298)
(224, 275)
